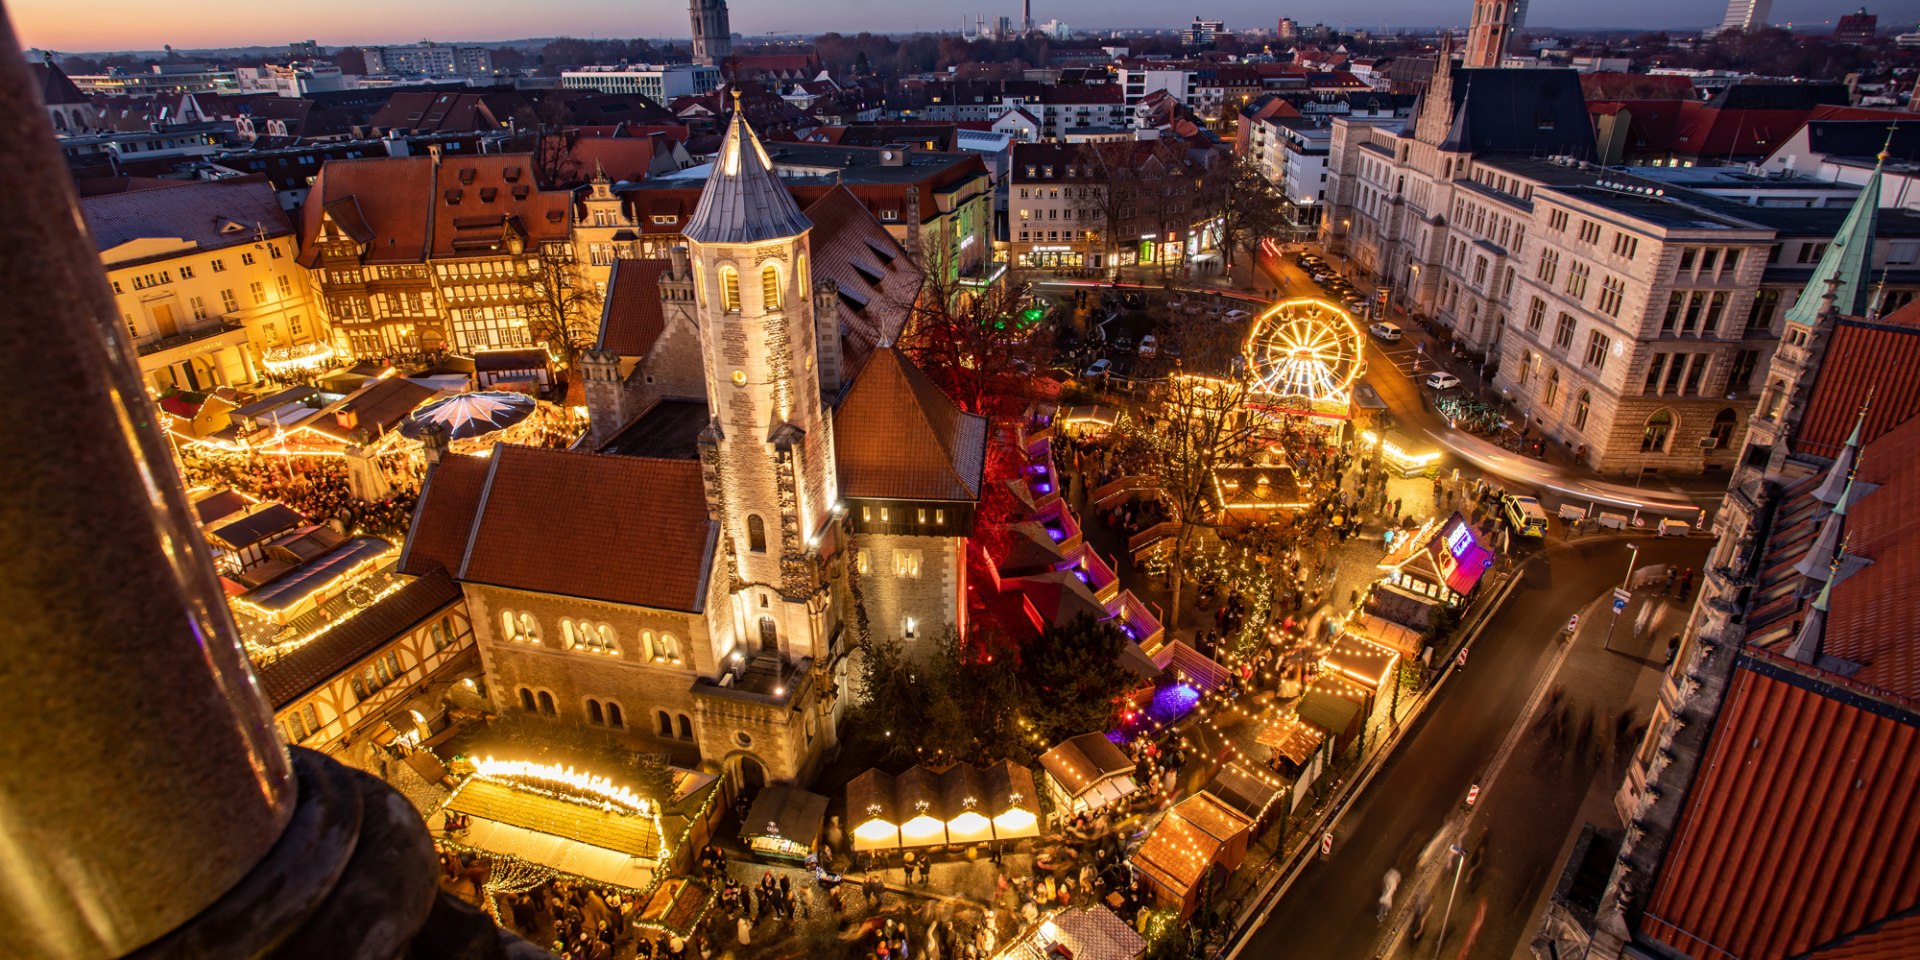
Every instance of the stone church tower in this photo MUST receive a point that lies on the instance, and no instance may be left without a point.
(712, 37)
(1492, 30)
(768, 449)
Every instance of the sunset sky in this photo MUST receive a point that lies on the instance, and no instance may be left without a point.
(147, 24)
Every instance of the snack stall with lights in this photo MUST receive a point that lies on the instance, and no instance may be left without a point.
(959, 805)
(1337, 705)
(1442, 564)
(784, 822)
(1178, 857)
(1258, 494)
(1299, 750)
(1090, 933)
(1401, 453)
(1088, 772)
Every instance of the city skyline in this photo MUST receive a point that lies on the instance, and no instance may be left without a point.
(133, 25)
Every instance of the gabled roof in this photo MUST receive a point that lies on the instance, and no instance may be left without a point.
(55, 88)
(406, 209)
(210, 214)
(1863, 356)
(633, 319)
(744, 200)
(443, 519)
(287, 678)
(1525, 111)
(1803, 826)
(897, 437)
(878, 282)
(629, 530)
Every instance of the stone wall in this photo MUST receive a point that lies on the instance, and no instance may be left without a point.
(932, 598)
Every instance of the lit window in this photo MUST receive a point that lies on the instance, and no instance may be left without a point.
(770, 287)
(729, 290)
(906, 563)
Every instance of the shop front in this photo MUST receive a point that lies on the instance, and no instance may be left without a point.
(1058, 257)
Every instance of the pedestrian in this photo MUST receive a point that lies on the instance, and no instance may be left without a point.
(743, 930)
(1668, 589)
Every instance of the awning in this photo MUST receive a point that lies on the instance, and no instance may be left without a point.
(566, 856)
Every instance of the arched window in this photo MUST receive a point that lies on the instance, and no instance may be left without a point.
(669, 648)
(729, 290)
(1580, 408)
(614, 717)
(1658, 433)
(546, 704)
(509, 627)
(666, 722)
(594, 714)
(1723, 424)
(770, 287)
(686, 727)
(567, 634)
(1526, 365)
(1553, 389)
(526, 700)
(756, 533)
(800, 274)
(359, 689)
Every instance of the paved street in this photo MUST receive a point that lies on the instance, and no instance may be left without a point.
(1330, 911)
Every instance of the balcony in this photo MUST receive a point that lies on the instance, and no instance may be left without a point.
(1137, 620)
(1093, 570)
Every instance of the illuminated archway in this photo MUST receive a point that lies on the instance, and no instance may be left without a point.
(1305, 354)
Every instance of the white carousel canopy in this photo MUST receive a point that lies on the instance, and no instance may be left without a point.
(469, 415)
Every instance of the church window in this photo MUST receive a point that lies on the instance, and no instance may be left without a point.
(800, 272)
(594, 714)
(770, 287)
(906, 563)
(686, 727)
(939, 516)
(861, 560)
(756, 533)
(546, 705)
(665, 722)
(1580, 410)
(615, 718)
(730, 293)
(526, 700)
(519, 627)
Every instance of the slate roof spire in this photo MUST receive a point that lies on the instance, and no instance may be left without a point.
(1847, 266)
(1805, 647)
(744, 201)
(1834, 487)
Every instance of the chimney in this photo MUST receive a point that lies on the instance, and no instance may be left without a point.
(826, 335)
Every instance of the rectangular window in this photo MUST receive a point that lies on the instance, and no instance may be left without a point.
(259, 291)
(273, 251)
(1715, 308)
(219, 266)
(1577, 281)
(1732, 261)
(1709, 260)
(286, 287)
(1563, 332)
(1812, 252)
(1654, 370)
(1597, 346)
(246, 259)
(227, 303)
(1675, 301)
(1536, 314)
(1676, 366)
(198, 306)
(1741, 375)
(186, 271)
(1696, 372)
(1549, 265)
(1686, 259)
(1691, 321)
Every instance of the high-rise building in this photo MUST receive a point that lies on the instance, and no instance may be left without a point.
(1202, 32)
(1288, 29)
(1857, 27)
(1746, 15)
(712, 37)
(1494, 24)
(428, 59)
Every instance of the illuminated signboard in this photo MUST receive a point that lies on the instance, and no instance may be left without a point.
(1459, 555)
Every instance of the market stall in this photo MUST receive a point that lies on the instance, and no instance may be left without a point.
(784, 822)
(1440, 561)
(1254, 793)
(1366, 663)
(959, 805)
(1400, 453)
(1198, 834)
(1092, 933)
(1088, 772)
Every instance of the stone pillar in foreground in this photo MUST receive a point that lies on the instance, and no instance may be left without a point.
(147, 807)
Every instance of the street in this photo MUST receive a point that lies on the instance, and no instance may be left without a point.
(1330, 911)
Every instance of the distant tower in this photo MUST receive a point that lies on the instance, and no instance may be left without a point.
(1746, 15)
(1494, 23)
(712, 38)
(1026, 17)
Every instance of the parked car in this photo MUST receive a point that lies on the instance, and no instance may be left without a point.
(1524, 515)
(1385, 331)
(1099, 369)
(1442, 380)
(1149, 345)
(1236, 316)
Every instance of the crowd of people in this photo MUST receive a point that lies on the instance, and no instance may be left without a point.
(314, 487)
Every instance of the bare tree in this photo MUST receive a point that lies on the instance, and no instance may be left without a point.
(974, 339)
(1203, 422)
(545, 129)
(563, 303)
(1248, 205)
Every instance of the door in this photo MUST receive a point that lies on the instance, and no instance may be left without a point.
(769, 635)
(163, 320)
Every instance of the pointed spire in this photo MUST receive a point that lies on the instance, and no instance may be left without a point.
(744, 201)
(1833, 488)
(1805, 647)
(1846, 269)
(1459, 137)
(1827, 544)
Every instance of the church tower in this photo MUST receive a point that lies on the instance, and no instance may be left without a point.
(768, 447)
(712, 37)
(1840, 286)
(1494, 24)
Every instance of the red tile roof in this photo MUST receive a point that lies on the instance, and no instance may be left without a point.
(443, 519)
(1803, 827)
(1878, 356)
(1897, 939)
(897, 437)
(878, 282)
(632, 319)
(630, 530)
(1876, 610)
(407, 208)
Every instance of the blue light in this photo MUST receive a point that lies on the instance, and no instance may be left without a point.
(1172, 702)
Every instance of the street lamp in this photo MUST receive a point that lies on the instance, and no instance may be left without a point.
(1459, 861)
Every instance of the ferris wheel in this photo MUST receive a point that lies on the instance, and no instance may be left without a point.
(1305, 352)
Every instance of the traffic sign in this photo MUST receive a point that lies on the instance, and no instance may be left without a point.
(1620, 598)
(1473, 794)
(1326, 845)
(1461, 660)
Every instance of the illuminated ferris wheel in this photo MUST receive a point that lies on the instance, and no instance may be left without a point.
(1305, 353)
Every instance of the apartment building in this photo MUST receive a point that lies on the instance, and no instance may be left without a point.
(428, 59)
(206, 277)
(1059, 216)
(662, 82)
(1625, 317)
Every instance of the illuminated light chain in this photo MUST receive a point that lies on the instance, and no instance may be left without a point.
(546, 777)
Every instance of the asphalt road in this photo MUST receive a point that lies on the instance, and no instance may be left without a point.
(1330, 912)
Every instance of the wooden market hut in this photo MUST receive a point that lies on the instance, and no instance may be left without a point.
(959, 805)
(1337, 705)
(784, 822)
(1198, 834)
(1088, 772)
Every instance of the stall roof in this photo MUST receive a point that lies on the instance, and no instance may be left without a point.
(1093, 933)
(1331, 703)
(1291, 737)
(1215, 816)
(1387, 633)
(1010, 787)
(1177, 853)
(676, 905)
(784, 810)
(634, 835)
(1360, 659)
(870, 796)
(1243, 789)
(288, 591)
(1081, 762)
(266, 520)
(212, 506)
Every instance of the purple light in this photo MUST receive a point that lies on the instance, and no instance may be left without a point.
(1082, 574)
(1170, 703)
(1056, 533)
(1044, 487)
